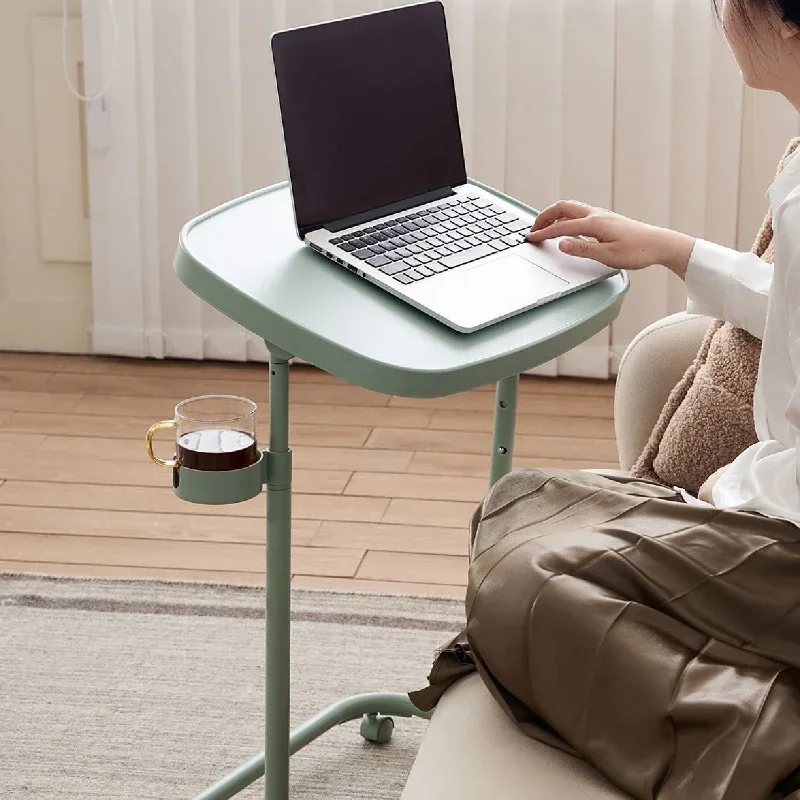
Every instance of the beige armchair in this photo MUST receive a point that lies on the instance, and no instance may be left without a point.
(471, 749)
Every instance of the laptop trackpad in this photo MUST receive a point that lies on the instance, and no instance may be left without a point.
(498, 288)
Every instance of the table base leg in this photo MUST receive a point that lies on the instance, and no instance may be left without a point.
(370, 708)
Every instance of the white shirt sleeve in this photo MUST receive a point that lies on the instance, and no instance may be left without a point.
(766, 476)
(728, 285)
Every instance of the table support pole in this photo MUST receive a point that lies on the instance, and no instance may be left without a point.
(278, 579)
(372, 709)
(505, 417)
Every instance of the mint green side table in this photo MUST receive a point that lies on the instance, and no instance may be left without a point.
(244, 259)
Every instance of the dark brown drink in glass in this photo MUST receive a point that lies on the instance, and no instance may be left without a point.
(213, 433)
(217, 449)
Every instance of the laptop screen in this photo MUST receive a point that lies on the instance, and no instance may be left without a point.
(369, 112)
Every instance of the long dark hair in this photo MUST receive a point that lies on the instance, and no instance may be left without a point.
(787, 10)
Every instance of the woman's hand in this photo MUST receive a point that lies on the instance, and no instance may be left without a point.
(620, 242)
(706, 492)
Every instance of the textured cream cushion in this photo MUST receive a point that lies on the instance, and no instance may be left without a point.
(652, 365)
(473, 751)
(707, 420)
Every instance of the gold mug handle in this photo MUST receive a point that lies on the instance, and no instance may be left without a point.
(159, 426)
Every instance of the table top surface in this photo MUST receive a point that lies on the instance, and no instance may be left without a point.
(245, 259)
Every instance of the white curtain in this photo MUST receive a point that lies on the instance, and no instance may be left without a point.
(634, 105)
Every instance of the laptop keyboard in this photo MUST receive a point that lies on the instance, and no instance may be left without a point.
(441, 237)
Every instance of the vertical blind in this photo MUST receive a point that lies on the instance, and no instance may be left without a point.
(634, 105)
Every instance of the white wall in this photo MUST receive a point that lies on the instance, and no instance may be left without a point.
(45, 281)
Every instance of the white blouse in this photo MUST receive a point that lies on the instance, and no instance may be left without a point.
(742, 289)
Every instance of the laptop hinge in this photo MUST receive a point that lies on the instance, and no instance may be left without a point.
(385, 211)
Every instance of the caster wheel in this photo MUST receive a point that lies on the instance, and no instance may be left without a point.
(377, 728)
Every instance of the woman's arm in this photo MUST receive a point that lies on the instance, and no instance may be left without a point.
(766, 477)
(721, 283)
(729, 285)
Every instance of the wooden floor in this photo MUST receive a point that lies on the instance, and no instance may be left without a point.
(384, 486)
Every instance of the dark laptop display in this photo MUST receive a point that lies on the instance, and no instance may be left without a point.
(369, 112)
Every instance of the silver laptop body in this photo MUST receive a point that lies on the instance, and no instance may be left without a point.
(378, 177)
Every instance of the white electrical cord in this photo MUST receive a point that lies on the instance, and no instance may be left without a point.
(64, 55)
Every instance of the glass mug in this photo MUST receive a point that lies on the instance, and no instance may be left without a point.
(215, 432)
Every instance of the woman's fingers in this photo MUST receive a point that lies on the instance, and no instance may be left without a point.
(564, 209)
(583, 249)
(585, 226)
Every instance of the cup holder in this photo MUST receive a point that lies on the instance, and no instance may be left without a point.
(220, 487)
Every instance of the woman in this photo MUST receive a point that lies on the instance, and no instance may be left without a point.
(660, 639)
(763, 35)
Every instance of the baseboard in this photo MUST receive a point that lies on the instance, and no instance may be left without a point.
(131, 343)
(182, 343)
(617, 353)
(548, 370)
(589, 360)
(586, 361)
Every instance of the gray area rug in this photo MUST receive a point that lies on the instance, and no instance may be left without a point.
(152, 691)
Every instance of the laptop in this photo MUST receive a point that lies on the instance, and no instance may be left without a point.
(378, 179)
